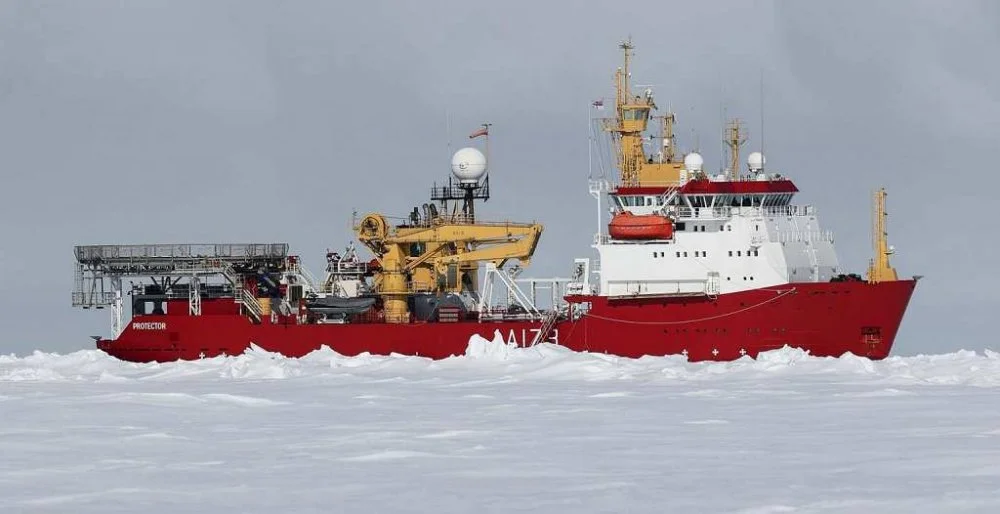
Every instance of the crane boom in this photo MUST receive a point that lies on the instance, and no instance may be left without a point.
(440, 256)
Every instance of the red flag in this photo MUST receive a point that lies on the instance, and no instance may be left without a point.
(485, 131)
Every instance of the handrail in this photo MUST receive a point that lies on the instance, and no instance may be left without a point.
(726, 212)
(251, 303)
(86, 253)
(804, 236)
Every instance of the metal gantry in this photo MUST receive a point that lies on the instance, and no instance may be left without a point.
(175, 268)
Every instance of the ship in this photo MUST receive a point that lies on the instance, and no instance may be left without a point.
(709, 266)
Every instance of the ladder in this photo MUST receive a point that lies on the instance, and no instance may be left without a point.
(548, 324)
(253, 308)
(241, 296)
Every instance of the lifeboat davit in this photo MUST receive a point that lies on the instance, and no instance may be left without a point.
(626, 225)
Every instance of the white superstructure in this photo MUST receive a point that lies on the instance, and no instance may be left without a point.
(728, 237)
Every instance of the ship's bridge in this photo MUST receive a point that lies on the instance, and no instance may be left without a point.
(704, 193)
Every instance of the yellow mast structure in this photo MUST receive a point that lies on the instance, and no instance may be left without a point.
(879, 269)
(667, 136)
(734, 140)
(632, 114)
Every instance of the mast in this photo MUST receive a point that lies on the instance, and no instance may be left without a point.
(623, 75)
(632, 113)
(734, 140)
(667, 137)
(879, 269)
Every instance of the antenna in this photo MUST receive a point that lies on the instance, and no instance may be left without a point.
(723, 112)
(486, 127)
(590, 144)
(447, 130)
(762, 117)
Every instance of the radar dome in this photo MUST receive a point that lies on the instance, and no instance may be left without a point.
(756, 161)
(468, 165)
(693, 161)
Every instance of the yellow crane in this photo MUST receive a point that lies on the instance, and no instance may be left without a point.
(439, 256)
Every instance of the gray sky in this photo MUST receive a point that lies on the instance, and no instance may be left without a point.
(172, 121)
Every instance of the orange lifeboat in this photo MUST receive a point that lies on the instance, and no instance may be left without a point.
(626, 225)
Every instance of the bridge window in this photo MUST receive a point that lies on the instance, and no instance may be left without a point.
(635, 114)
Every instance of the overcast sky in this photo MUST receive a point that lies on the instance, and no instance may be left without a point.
(175, 121)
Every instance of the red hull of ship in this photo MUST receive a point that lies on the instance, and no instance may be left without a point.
(826, 319)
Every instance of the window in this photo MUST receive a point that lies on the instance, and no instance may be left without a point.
(654, 255)
(755, 254)
(729, 228)
(685, 254)
(730, 253)
(635, 114)
(739, 253)
(678, 254)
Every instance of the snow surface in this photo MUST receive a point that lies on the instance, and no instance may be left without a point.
(500, 430)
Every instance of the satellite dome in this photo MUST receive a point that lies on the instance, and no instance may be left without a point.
(468, 165)
(693, 161)
(756, 161)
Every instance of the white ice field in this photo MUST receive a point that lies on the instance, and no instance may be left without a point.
(500, 430)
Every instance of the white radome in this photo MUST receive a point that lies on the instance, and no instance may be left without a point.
(693, 161)
(468, 165)
(756, 161)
